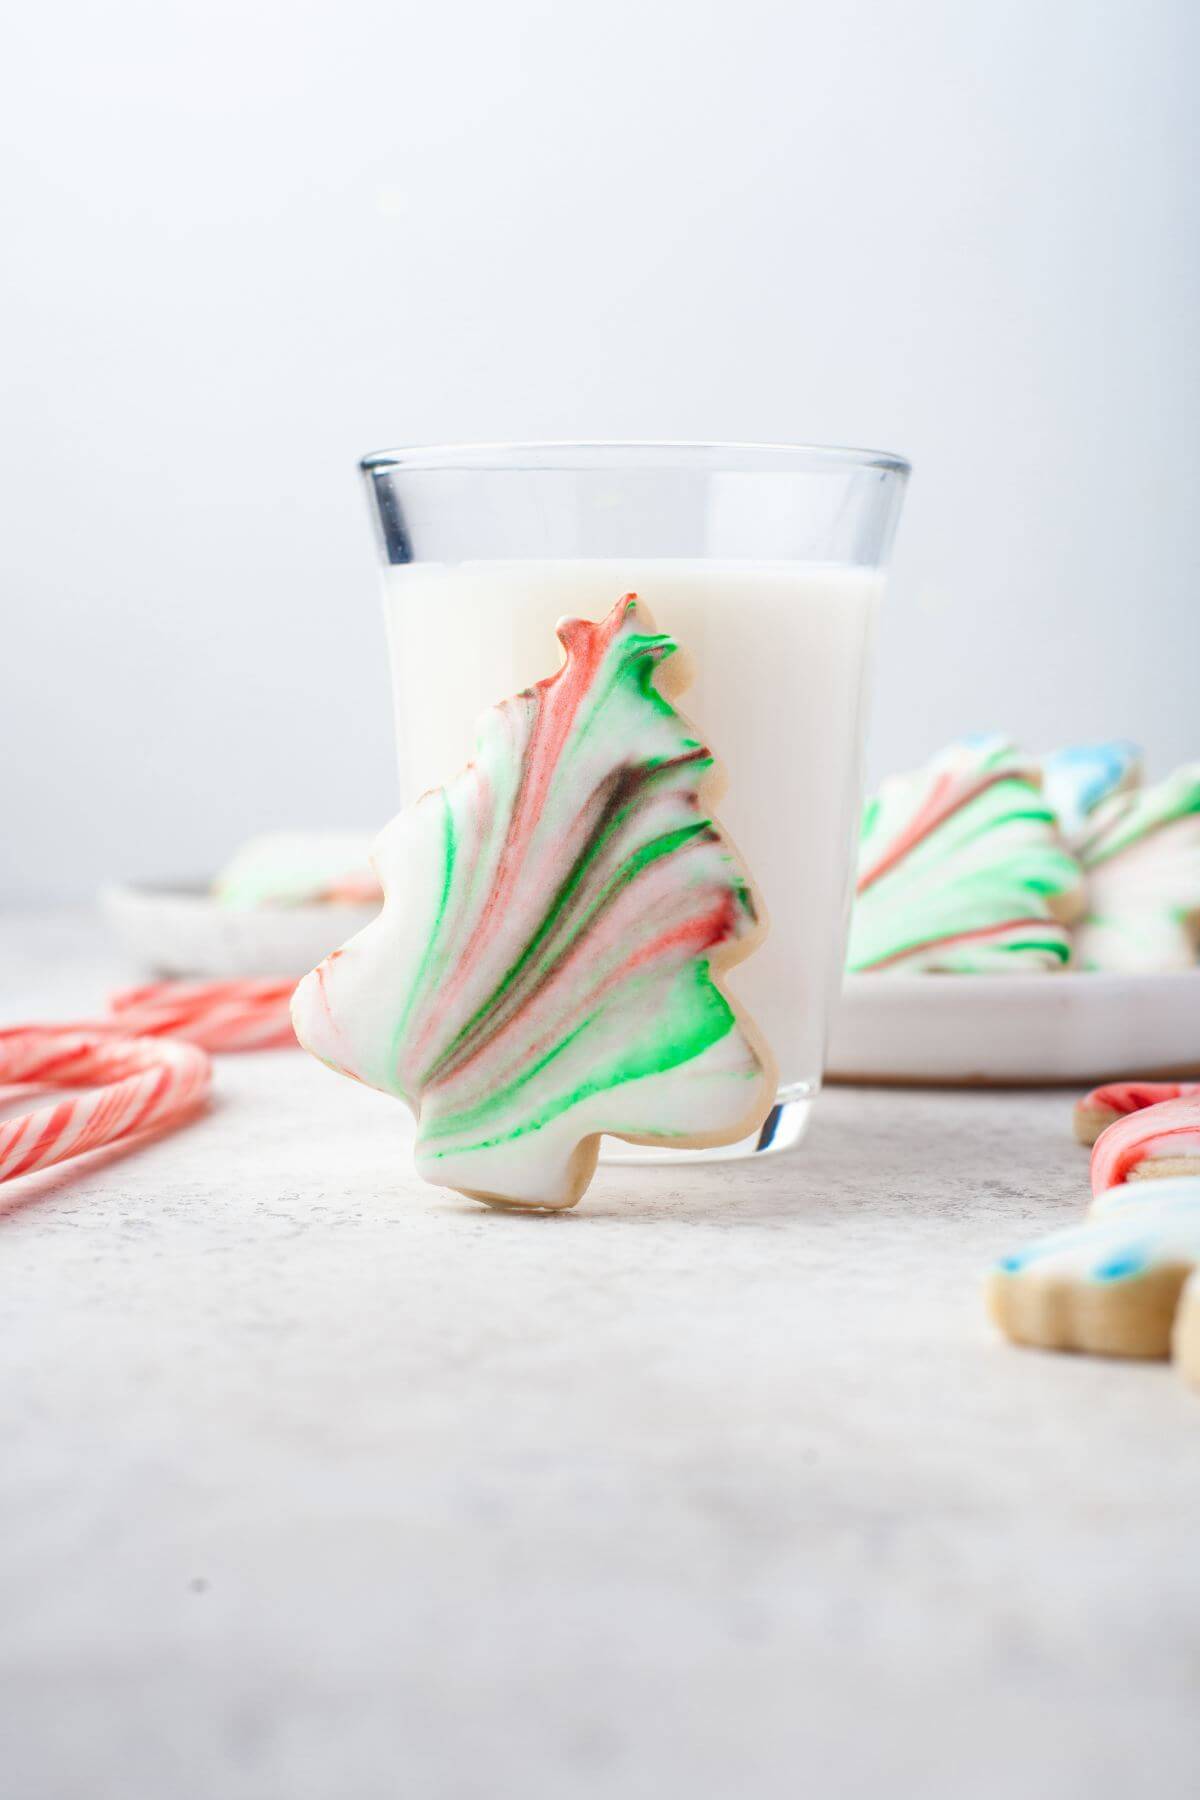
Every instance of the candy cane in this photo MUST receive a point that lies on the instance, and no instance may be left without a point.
(1097, 1110)
(137, 1083)
(217, 1015)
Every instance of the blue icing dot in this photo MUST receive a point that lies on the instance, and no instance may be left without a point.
(1080, 776)
(1129, 1262)
(1009, 1265)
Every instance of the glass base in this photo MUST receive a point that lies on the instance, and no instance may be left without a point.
(781, 1130)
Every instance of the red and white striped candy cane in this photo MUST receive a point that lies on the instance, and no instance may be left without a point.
(137, 1083)
(218, 1015)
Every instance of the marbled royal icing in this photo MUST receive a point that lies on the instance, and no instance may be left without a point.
(1141, 855)
(544, 967)
(961, 868)
(1124, 1283)
(1117, 1099)
(1160, 1140)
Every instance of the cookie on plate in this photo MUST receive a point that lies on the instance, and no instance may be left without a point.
(962, 869)
(299, 868)
(1080, 777)
(1141, 857)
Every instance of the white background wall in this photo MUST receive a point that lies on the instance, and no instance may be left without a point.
(247, 241)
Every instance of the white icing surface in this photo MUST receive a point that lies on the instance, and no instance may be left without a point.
(1154, 1224)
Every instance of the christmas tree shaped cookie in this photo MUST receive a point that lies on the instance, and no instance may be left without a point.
(547, 965)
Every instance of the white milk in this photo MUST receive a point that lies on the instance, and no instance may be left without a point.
(779, 653)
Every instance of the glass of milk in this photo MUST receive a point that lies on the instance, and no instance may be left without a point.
(765, 562)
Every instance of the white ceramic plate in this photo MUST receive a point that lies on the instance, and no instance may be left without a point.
(183, 931)
(1013, 1030)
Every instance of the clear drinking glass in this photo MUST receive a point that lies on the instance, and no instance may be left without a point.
(765, 562)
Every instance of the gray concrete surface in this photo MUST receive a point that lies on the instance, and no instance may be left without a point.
(317, 1484)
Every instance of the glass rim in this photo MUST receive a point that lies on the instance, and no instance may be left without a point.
(553, 454)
